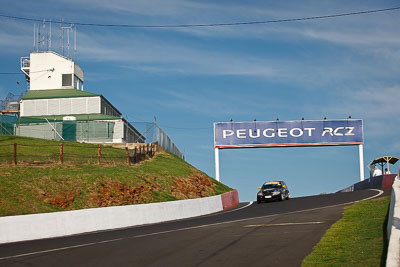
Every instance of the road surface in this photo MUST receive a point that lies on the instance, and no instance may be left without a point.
(266, 234)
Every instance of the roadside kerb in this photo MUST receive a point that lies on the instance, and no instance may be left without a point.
(230, 199)
(56, 224)
(393, 227)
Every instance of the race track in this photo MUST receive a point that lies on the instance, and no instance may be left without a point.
(267, 234)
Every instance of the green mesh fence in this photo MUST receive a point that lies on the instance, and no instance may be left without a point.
(80, 131)
(7, 124)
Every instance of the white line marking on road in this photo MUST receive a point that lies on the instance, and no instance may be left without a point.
(281, 224)
(63, 248)
(187, 228)
(228, 211)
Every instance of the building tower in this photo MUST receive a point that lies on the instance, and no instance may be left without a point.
(56, 106)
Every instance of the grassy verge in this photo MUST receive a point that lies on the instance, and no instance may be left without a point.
(26, 189)
(358, 239)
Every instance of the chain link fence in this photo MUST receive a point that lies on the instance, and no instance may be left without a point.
(7, 124)
(154, 134)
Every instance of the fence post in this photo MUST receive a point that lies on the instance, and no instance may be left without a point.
(128, 161)
(15, 153)
(135, 156)
(61, 153)
(98, 155)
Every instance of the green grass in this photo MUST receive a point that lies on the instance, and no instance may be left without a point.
(358, 239)
(37, 188)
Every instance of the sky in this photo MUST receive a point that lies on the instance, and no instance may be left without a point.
(190, 77)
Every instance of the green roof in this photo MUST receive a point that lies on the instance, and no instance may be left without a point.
(53, 118)
(56, 93)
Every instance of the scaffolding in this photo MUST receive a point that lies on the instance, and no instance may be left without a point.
(10, 105)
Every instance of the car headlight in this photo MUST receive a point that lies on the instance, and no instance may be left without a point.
(276, 193)
(259, 194)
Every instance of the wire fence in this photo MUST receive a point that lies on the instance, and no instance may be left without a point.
(78, 154)
(154, 134)
(7, 124)
(84, 131)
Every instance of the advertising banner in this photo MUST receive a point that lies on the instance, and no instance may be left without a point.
(288, 133)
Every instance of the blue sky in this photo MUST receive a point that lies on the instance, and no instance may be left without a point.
(191, 77)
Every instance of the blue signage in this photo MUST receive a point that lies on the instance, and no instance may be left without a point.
(288, 133)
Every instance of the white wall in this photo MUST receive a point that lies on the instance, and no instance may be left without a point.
(61, 106)
(46, 69)
(43, 131)
(393, 227)
(47, 225)
(118, 136)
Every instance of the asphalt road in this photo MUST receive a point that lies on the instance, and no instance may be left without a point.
(267, 234)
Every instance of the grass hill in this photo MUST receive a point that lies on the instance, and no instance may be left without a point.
(29, 188)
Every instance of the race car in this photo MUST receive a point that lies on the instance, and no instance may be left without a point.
(274, 190)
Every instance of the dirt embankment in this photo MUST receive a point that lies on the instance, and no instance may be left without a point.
(113, 193)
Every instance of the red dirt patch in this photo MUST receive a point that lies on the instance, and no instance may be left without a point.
(116, 193)
(198, 185)
(62, 199)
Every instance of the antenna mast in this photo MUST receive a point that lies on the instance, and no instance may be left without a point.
(41, 41)
(42, 38)
(66, 32)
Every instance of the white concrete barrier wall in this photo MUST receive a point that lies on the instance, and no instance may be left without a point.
(55, 224)
(393, 229)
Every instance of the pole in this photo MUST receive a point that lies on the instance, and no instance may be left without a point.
(61, 153)
(15, 154)
(54, 129)
(361, 156)
(128, 161)
(135, 155)
(217, 164)
(98, 154)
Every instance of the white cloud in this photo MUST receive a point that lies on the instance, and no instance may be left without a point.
(217, 104)
(153, 8)
(378, 102)
(154, 55)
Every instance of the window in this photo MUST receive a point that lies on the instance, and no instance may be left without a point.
(78, 83)
(67, 80)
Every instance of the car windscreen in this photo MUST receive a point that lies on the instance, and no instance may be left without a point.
(271, 186)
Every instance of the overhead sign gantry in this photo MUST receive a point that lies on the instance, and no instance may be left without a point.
(288, 134)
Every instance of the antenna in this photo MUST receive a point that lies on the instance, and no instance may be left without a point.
(38, 39)
(34, 37)
(41, 37)
(50, 37)
(75, 43)
(66, 32)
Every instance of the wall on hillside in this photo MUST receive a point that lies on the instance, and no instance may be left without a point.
(56, 224)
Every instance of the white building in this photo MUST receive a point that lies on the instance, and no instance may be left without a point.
(56, 107)
(48, 70)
